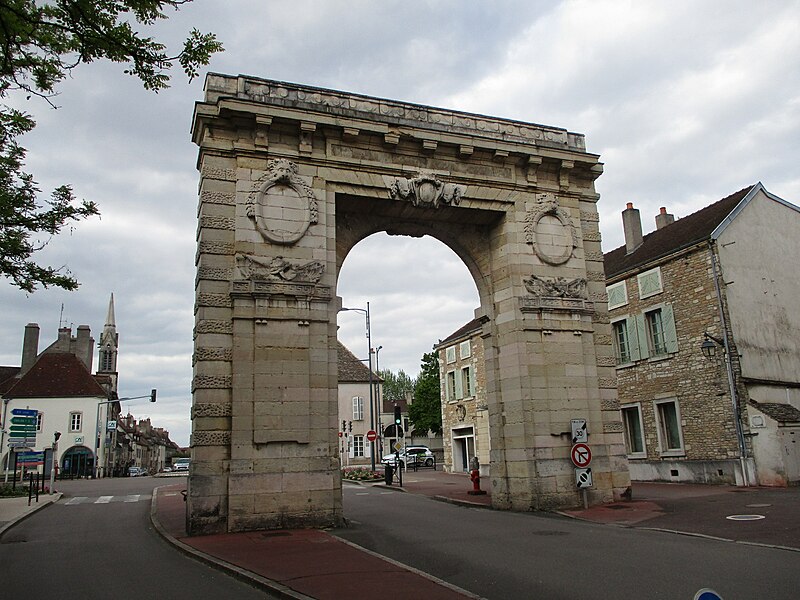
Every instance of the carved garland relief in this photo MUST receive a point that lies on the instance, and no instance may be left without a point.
(549, 230)
(278, 269)
(282, 206)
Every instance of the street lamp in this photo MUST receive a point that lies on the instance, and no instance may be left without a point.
(709, 350)
(371, 411)
(98, 445)
(378, 395)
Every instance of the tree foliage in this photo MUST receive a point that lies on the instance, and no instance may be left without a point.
(396, 386)
(425, 412)
(40, 44)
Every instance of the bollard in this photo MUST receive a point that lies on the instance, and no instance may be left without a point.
(388, 473)
(475, 477)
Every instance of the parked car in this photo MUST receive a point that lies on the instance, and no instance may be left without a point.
(419, 455)
(136, 472)
(181, 464)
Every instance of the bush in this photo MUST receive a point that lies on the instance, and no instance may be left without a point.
(6, 491)
(360, 474)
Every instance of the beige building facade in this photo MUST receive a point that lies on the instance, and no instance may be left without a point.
(291, 178)
(716, 282)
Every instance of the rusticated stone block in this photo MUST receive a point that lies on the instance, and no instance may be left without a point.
(211, 410)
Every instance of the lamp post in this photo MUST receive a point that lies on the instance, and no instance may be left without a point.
(371, 411)
(98, 445)
(378, 396)
(709, 350)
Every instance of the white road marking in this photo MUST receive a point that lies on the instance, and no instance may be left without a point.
(103, 500)
(132, 498)
(76, 500)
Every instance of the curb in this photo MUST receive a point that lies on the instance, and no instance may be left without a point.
(273, 587)
(50, 499)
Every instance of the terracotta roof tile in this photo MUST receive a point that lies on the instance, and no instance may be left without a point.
(55, 375)
(683, 233)
(352, 370)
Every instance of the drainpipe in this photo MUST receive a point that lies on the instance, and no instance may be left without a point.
(737, 419)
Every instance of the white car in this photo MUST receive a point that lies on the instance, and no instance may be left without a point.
(419, 455)
(181, 464)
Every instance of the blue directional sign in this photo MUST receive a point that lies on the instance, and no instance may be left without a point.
(707, 594)
(24, 412)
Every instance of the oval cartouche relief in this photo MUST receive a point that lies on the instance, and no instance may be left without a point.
(549, 230)
(282, 206)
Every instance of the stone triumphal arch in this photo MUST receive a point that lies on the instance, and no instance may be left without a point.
(291, 178)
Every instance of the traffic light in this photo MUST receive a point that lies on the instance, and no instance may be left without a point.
(398, 418)
(152, 395)
(350, 426)
(344, 425)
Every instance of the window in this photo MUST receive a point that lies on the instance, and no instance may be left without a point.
(358, 408)
(39, 421)
(450, 384)
(655, 332)
(450, 354)
(358, 445)
(464, 349)
(617, 295)
(650, 283)
(622, 346)
(107, 359)
(670, 436)
(634, 441)
(467, 382)
(75, 421)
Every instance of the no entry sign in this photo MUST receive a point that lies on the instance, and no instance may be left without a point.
(581, 455)
(371, 435)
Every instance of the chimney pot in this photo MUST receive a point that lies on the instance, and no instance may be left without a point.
(663, 218)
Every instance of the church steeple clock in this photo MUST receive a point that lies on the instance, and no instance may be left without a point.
(109, 346)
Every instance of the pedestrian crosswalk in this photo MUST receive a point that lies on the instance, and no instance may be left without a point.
(104, 499)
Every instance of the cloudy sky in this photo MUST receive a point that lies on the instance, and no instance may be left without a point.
(686, 102)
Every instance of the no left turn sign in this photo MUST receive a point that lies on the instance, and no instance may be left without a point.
(581, 455)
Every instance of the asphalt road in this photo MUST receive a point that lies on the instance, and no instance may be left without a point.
(97, 542)
(502, 555)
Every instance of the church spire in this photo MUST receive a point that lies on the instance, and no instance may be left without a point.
(109, 346)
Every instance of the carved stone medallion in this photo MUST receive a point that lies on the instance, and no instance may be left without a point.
(281, 205)
(549, 230)
(426, 190)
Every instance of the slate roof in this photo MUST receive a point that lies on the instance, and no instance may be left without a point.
(782, 413)
(352, 370)
(467, 328)
(7, 375)
(676, 236)
(55, 375)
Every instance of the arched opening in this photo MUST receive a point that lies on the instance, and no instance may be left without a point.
(78, 461)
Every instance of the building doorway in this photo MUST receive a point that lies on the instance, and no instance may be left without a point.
(78, 461)
(463, 448)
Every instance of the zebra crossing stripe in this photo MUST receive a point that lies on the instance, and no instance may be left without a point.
(132, 498)
(103, 500)
(76, 500)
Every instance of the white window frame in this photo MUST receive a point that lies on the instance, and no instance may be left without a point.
(465, 350)
(450, 386)
(661, 427)
(654, 322)
(359, 446)
(625, 408)
(75, 422)
(450, 354)
(467, 381)
(625, 321)
(613, 290)
(646, 276)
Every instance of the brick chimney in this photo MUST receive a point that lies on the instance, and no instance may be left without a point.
(632, 226)
(30, 347)
(663, 218)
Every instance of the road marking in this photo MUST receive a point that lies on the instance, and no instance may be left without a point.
(103, 500)
(132, 498)
(76, 500)
(106, 499)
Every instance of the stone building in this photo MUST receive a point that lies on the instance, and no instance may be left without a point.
(355, 418)
(719, 282)
(465, 416)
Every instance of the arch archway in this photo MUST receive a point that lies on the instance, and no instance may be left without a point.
(292, 178)
(77, 461)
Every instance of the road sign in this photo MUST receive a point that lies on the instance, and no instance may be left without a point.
(19, 444)
(583, 478)
(581, 455)
(372, 436)
(23, 420)
(24, 412)
(398, 445)
(579, 432)
(22, 428)
(707, 594)
(30, 458)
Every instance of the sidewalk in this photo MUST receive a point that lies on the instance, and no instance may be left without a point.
(14, 510)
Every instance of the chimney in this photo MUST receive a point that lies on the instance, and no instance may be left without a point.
(632, 226)
(84, 347)
(62, 343)
(30, 347)
(663, 219)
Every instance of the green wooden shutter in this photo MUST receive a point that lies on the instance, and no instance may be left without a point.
(670, 333)
(459, 385)
(641, 333)
(471, 380)
(633, 339)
